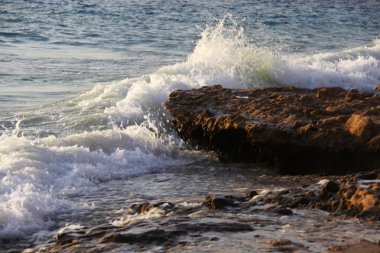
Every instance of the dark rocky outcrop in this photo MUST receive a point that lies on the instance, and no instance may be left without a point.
(300, 131)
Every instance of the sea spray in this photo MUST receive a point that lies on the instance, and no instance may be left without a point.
(356, 68)
(225, 56)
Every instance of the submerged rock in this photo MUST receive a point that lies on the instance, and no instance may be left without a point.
(219, 202)
(300, 131)
(146, 207)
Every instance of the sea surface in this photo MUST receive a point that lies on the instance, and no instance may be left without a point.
(82, 85)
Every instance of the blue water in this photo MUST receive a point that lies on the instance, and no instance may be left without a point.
(82, 83)
(54, 49)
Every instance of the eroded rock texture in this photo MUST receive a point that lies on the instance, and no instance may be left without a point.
(328, 130)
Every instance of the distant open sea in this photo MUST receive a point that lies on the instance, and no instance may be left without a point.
(82, 85)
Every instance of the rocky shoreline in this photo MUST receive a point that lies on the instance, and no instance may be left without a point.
(330, 131)
(176, 227)
(300, 131)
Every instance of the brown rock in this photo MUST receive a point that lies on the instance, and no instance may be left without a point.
(141, 208)
(329, 92)
(354, 246)
(366, 200)
(351, 96)
(146, 206)
(356, 195)
(215, 202)
(298, 130)
(363, 126)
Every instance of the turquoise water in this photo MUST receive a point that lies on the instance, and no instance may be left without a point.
(82, 84)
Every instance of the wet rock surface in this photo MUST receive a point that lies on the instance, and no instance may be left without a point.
(256, 217)
(351, 196)
(362, 246)
(300, 131)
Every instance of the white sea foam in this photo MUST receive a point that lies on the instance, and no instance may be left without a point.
(119, 130)
(224, 56)
(350, 69)
(37, 175)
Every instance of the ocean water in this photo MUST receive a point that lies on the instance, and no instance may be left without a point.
(82, 85)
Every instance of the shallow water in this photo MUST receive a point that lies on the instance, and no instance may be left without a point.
(308, 230)
(82, 86)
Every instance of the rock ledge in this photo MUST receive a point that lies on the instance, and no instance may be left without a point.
(300, 131)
